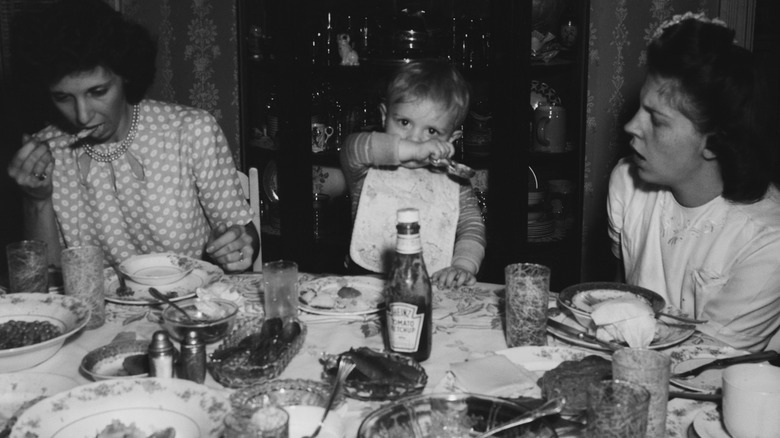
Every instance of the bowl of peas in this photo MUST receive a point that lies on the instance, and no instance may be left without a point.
(34, 326)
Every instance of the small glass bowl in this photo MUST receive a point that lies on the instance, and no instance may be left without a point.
(284, 392)
(214, 318)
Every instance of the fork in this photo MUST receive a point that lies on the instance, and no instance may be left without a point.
(123, 290)
(345, 366)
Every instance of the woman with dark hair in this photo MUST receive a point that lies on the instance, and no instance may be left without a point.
(114, 169)
(693, 212)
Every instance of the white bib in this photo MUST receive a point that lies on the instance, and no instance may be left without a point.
(435, 195)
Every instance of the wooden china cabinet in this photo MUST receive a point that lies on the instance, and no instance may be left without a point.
(290, 77)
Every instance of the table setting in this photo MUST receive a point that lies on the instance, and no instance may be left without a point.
(97, 380)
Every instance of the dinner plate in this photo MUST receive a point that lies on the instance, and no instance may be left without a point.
(153, 404)
(543, 94)
(18, 389)
(321, 296)
(203, 275)
(687, 357)
(708, 424)
(667, 334)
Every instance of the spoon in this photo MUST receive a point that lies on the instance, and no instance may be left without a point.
(454, 168)
(161, 296)
(346, 365)
(554, 406)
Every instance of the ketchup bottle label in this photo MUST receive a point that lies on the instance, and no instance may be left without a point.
(404, 326)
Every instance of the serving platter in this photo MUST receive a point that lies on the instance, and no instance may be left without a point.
(153, 404)
(203, 274)
(667, 334)
(336, 296)
(687, 357)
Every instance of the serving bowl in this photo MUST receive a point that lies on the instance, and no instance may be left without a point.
(578, 300)
(68, 314)
(157, 269)
(109, 361)
(152, 404)
(212, 319)
(447, 414)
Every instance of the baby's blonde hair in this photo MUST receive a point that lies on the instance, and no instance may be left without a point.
(434, 80)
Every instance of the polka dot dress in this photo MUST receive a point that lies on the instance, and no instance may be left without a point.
(188, 184)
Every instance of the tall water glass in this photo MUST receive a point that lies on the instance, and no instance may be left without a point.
(82, 275)
(280, 289)
(27, 266)
(616, 409)
(651, 370)
(527, 290)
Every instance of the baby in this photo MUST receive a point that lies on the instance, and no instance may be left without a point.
(425, 104)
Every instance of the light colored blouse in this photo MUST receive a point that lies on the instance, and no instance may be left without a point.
(719, 261)
(187, 185)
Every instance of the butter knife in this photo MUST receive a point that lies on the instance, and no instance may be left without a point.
(582, 335)
(720, 363)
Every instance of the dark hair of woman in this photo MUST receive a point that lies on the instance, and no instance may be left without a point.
(723, 91)
(80, 35)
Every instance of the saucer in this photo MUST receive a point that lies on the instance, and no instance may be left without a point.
(203, 275)
(708, 424)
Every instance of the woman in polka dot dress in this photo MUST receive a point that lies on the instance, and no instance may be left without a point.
(129, 174)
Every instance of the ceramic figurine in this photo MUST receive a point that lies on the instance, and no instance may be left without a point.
(348, 55)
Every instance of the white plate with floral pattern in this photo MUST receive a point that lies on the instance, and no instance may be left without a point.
(202, 275)
(667, 334)
(688, 357)
(27, 388)
(152, 404)
(708, 424)
(342, 296)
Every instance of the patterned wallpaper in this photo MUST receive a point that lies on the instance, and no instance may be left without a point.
(197, 63)
(619, 33)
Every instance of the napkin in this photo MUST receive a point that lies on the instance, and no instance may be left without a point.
(493, 375)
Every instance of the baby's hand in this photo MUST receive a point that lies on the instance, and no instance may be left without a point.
(421, 154)
(453, 276)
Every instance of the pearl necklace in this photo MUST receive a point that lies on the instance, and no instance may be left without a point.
(107, 157)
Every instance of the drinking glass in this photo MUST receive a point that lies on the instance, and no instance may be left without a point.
(82, 275)
(616, 409)
(27, 266)
(527, 290)
(280, 289)
(650, 369)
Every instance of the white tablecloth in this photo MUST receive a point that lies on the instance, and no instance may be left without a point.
(467, 323)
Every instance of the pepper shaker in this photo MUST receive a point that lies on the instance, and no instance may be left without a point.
(161, 353)
(192, 361)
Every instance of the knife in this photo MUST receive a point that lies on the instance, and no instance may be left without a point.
(720, 363)
(582, 335)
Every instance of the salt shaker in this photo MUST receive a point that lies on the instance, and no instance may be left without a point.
(192, 360)
(161, 352)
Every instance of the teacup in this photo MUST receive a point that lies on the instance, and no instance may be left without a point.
(320, 134)
(751, 400)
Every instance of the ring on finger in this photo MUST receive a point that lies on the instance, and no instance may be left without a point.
(240, 255)
(41, 176)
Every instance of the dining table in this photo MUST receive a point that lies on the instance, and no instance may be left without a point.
(468, 323)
